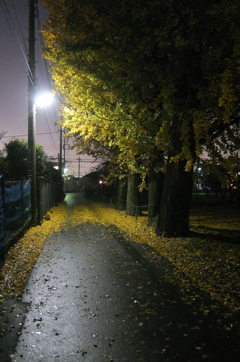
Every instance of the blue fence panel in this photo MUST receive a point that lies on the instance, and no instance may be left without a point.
(12, 191)
(17, 205)
(15, 208)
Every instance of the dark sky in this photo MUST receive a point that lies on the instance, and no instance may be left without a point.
(14, 84)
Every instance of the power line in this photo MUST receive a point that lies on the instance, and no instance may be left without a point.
(19, 26)
(13, 28)
(16, 17)
(44, 70)
(68, 160)
(24, 135)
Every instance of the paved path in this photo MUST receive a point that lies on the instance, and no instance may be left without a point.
(96, 297)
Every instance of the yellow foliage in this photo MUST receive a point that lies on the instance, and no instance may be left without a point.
(212, 265)
(227, 99)
(23, 255)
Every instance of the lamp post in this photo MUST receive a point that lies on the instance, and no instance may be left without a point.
(42, 101)
(32, 111)
(32, 103)
(32, 163)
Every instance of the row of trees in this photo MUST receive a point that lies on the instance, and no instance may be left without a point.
(151, 85)
(212, 185)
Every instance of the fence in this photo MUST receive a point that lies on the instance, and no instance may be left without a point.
(15, 208)
(47, 196)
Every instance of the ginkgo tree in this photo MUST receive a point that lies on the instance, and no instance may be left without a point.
(98, 111)
(156, 80)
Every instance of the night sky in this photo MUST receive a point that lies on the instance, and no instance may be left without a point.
(14, 85)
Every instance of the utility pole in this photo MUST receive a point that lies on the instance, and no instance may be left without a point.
(64, 150)
(79, 173)
(61, 160)
(32, 112)
(79, 167)
(60, 153)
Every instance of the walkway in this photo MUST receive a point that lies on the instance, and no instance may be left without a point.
(97, 297)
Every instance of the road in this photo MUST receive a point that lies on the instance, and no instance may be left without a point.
(95, 296)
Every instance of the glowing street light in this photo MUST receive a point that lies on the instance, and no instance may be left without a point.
(41, 101)
(44, 99)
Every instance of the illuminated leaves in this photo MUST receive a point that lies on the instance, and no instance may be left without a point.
(97, 65)
(23, 255)
(212, 265)
(126, 72)
(206, 260)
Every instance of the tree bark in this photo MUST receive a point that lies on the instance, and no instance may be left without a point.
(155, 188)
(121, 195)
(175, 204)
(133, 202)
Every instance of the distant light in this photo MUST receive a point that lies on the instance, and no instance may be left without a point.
(44, 99)
(199, 168)
(100, 182)
(56, 167)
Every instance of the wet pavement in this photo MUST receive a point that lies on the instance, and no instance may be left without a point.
(93, 295)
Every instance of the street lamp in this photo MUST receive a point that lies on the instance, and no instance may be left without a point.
(44, 99)
(41, 101)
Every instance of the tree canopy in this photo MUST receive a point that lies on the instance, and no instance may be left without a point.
(15, 161)
(130, 72)
(151, 80)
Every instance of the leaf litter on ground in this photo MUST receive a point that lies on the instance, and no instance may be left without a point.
(209, 257)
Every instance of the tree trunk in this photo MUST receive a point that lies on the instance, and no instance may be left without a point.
(133, 205)
(121, 195)
(175, 204)
(155, 188)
